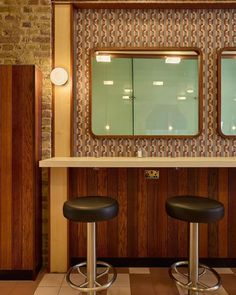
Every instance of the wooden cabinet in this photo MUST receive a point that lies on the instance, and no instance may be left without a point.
(20, 180)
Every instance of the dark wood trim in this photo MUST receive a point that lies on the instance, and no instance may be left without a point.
(157, 261)
(148, 4)
(17, 275)
(49, 219)
(219, 100)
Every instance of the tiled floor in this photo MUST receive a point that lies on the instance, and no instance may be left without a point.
(130, 281)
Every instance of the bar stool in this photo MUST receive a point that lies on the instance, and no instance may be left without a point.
(91, 210)
(194, 210)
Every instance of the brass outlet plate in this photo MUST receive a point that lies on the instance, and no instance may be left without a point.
(151, 174)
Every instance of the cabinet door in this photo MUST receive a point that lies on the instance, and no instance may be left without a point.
(19, 194)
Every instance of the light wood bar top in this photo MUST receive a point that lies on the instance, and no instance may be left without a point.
(135, 162)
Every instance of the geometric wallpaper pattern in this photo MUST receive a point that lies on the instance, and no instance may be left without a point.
(208, 30)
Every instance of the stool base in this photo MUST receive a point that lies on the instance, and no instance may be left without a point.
(189, 285)
(97, 286)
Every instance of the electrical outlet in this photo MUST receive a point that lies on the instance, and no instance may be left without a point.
(151, 174)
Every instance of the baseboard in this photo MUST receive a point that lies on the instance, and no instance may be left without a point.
(20, 274)
(17, 275)
(158, 262)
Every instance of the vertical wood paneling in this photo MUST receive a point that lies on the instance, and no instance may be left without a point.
(123, 211)
(231, 213)
(78, 230)
(159, 199)
(5, 167)
(172, 238)
(153, 214)
(20, 202)
(185, 178)
(17, 173)
(132, 221)
(143, 228)
(213, 226)
(102, 226)
(27, 171)
(203, 228)
(223, 185)
(142, 213)
(112, 225)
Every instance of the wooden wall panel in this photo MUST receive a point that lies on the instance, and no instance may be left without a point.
(203, 229)
(123, 211)
(223, 237)
(142, 228)
(231, 214)
(5, 167)
(20, 200)
(102, 226)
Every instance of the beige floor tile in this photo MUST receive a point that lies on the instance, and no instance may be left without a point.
(75, 278)
(119, 291)
(51, 280)
(221, 291)
(139, 270)
(122, 280)
(47, 291)
(68, 291)
(224, 270)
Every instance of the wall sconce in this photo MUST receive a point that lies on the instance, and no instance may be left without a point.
(59, 76)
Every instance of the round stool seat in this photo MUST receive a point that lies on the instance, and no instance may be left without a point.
(90, 209)
(194, 209)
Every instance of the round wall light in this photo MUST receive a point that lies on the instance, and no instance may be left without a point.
(59, 76)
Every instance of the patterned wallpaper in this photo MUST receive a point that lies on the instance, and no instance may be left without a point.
(208, 30)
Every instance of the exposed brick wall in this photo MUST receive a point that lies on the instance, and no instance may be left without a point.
(25, 38)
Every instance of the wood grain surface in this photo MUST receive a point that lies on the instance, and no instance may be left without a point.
(20, 198)
(142, 228)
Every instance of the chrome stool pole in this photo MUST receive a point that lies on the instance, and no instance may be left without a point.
(91, 255)
(193, 257)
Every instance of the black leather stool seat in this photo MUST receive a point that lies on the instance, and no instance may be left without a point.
(90, 209)
(194, 209)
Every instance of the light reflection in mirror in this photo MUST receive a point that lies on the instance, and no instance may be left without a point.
(138, 93)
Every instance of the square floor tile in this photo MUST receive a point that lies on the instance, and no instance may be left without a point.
(139, 270)
(47, 291)
(122, 280)
(75, 278)
(224, 270)
(51, 280)
(68, 291)
(119, 291)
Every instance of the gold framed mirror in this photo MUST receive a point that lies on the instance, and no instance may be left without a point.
(145, 92)
(227, 92)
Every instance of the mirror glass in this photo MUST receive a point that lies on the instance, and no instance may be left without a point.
(227, 92)
(145, 93)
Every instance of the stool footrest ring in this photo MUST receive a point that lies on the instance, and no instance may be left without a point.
(201, 287)
(98, 287)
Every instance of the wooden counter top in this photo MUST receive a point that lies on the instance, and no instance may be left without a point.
(135, 162)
